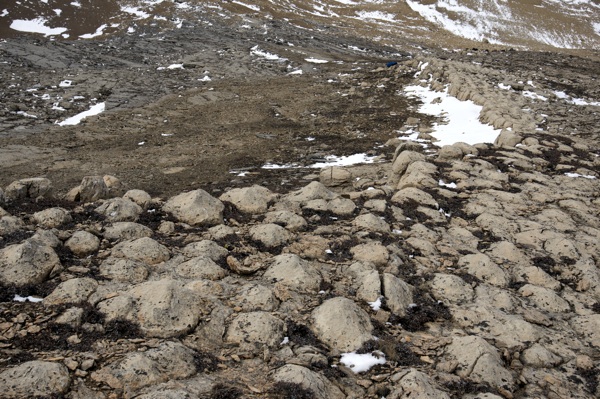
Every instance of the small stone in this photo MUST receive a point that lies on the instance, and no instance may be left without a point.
(83, 243)
(71, 363)
(197, 208)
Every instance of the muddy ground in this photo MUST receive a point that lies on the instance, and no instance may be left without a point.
(198, 132)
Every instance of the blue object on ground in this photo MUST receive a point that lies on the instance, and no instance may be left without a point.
(391, 64)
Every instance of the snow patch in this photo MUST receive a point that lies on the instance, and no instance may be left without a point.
(37, 25)
(19, 298)
(580, 175)
(76, 119)
(359, 363)
(264, 54)
(376, 305)
(316, 61)
(461, 117)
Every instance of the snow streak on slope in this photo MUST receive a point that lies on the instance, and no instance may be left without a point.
(519, 23)
(556, 23)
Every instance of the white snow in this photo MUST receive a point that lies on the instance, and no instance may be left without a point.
(98, 32)
(19, 298)
(296, 72)
(580, 175)
(4, 13)
(577, 101)
(264, 54)
(276, 166)
(471, 24)
(359, 363)
(595, 25)
(135, 11)
(286, 340)
(65, 83)
(534, 96)
(206, 78)
(250, 6)
(23, 113)
(316, 61)
(449, 185)
(376, 305)
(37, 25)
(462, 117)
(332, 160)
(379, 15)
(76, 119)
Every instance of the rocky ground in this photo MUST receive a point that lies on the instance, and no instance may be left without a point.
(151, 270)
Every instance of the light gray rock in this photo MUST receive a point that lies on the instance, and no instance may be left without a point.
(119, 210)
(200, 267)
(540, 357)
(163, 308)
(307, 379)
(270, 235)
(404, 159)
(164, 393)
(410, 194)
(34, 379)
(168, 361)
(417, 179)
(449, 152)
(197, 208)
(75, 290)
(253, 200)
(52, 217)
(341, 324)
(288, 219)
(255, 328)
(479, 361)
(314, 190)
(124, 270)
(334, 176)
(482, 267)
(140, 197)
(35, 187)
(10, 225)
(507, 138)
(116, 187)
(398, 294)
(536, 276)
(30, 262)
(126, 231)
(338, 206)
(255, 297)
(92, 189)
(293, 272)
(72, 316)
(416, 384)
(370, 222)
(372, 252)
(367, 281)
(588, 327)
(221, 231)
(206, 248)
(544, 298)
(507, 251)
(47, 237)
(144, 249)
(83, 243)
(451, 288)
